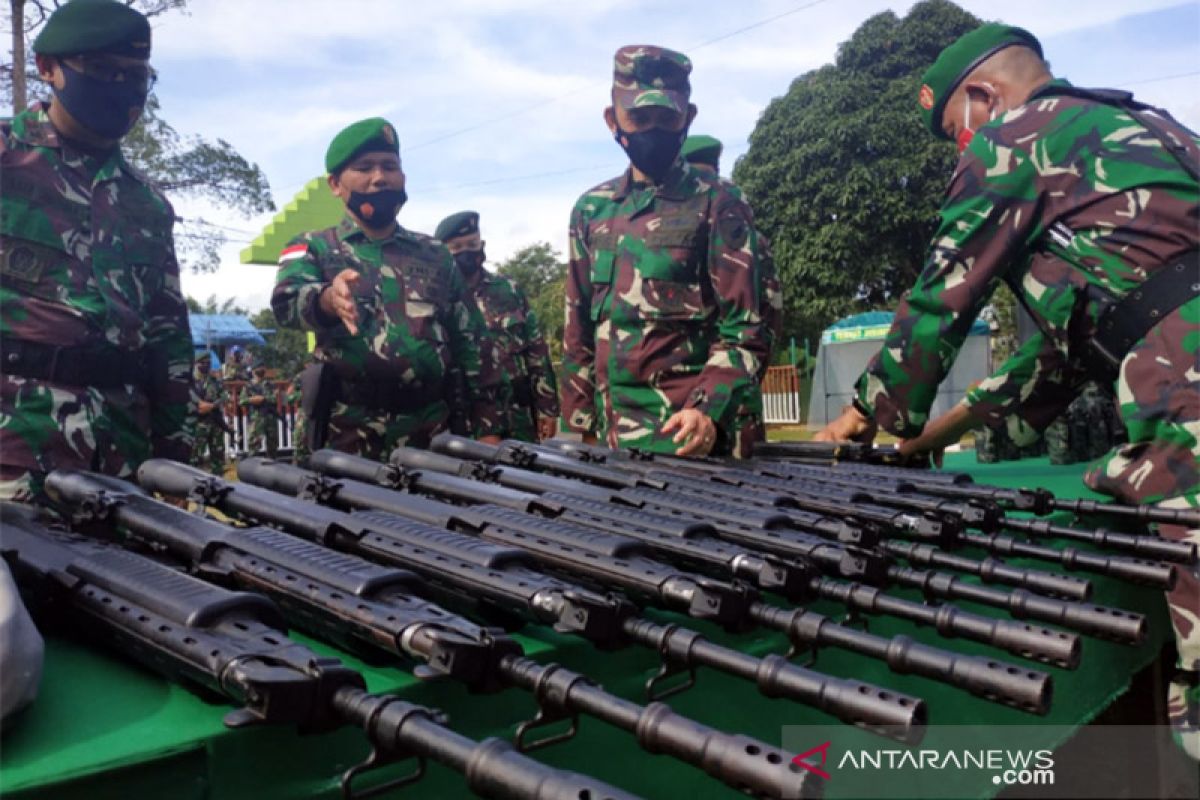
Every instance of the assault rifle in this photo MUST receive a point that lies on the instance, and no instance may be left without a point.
(428, 472)
(885, 461)
(366, 607)
(232, 645)
(619, 562)
(468, 573)
(732, 502)
(800, 579)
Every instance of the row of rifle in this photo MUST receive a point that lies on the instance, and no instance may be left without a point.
(429, 558)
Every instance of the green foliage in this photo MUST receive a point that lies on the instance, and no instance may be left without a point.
(286, 350)
(541, 274)
(842, 176)
(212, 306)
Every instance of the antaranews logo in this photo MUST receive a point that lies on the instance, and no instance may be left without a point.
(1008, 767)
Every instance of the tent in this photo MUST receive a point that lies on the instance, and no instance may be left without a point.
(218, 330)
(848, 344)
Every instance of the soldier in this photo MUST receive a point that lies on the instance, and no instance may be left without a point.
(299, 421)
(209, 398)
(93, 327)
(258, 397)
(1084, 202)
(664, 334)
(524, 356)
(703, 153)
(388, 307)
(235, 367)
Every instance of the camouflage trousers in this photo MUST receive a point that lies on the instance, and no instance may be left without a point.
(374, 434)
(521, 423)
(1159, 394)
(208, 448)
(300, 451)
(631, 425)
(262, 435)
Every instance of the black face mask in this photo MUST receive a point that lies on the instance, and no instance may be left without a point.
(470, 261)
(652, 151)
(377, 209)
(101, 107)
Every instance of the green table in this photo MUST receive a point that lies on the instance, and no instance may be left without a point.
(103, 727)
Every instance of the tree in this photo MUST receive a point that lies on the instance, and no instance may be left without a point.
(179, 165)
(539, 272)
(211, 306)
(842, 175)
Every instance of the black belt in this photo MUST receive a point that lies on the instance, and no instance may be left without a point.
(1127, 321)
(390, 396)
(73, 365)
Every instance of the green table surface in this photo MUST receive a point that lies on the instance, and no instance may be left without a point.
(103, 727)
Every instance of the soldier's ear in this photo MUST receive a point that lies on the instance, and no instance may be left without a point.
(610, 119)
(46, 67)
(692, 111)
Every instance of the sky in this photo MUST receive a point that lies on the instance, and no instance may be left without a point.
(498, 103)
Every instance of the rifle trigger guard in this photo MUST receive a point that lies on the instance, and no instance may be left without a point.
(668, 667)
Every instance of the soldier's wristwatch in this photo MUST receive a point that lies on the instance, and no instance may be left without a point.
(858, 406)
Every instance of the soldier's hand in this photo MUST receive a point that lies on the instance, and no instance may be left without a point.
(546, 427)
(204, 407)
(337, 299)
(695, 431)
(851, 426)
(940, 433)
(588, 438)
(490, 439)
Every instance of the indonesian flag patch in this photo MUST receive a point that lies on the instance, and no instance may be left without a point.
(292, 253)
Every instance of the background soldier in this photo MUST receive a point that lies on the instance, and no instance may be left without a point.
(1084, 202)
(703, 153)
(388, 307)
(97, 350)
(300, 421)
(522, 352)
(209, 398)
(262, 424)
(664, 335)
(236, 367)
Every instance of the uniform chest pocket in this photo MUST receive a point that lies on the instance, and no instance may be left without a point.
(149, 258)
(602, 278)
(669, 284)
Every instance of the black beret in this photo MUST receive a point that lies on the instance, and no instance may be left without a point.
(91, 26)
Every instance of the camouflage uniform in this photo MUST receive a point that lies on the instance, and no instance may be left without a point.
(208, 449)
(237, 370)
(664, 291)
(1063, 198)
(262, 421)
(522, 352)
(413, 324)
(87, 263)
(300, 421)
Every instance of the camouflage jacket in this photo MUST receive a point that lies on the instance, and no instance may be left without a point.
(520, 347)
(413, 318)
(257, 388)
(1064, 199)
(209, 388)
(87, 259)
(664, 307)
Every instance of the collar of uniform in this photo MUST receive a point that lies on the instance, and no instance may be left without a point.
(1050, 87)
(33, 127)
(348, 228)
(675, 186)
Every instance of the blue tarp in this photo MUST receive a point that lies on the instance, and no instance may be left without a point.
(216, 330)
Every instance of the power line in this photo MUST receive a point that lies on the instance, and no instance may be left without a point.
(1161, 78)
(512, 179)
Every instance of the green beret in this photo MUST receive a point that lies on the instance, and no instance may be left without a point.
(464, 223)
(701, 149)
(957, 61)
(365, 136)
(90, 26)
